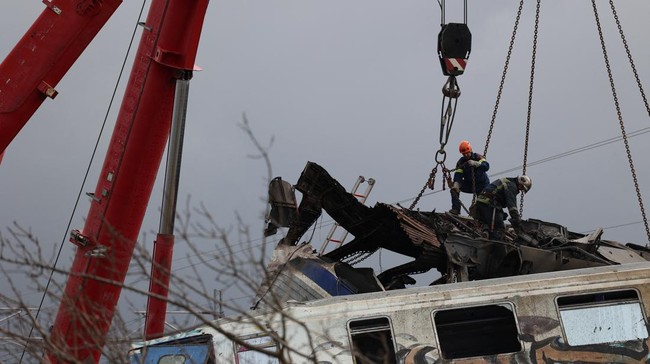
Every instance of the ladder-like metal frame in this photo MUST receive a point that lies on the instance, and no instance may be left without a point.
(362, 197)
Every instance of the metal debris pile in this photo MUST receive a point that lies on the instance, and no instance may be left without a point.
(448, 243)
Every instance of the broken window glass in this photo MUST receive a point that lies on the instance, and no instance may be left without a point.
(602, 318)
(372, 341)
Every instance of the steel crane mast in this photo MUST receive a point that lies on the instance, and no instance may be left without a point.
(29, 74)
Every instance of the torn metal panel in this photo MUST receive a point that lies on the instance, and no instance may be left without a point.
(448, 243)
(592, 238)
(298, 274)
(284, 208)
(618, 255)
(481, 258)
(417, 230)
(541, 260)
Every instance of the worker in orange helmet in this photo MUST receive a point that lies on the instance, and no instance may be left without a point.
(470, 175)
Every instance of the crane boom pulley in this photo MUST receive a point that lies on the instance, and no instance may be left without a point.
(454, 47)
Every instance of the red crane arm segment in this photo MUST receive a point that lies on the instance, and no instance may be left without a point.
(168, 45)
(31, 71)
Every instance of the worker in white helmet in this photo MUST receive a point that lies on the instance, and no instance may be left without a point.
(498, 195)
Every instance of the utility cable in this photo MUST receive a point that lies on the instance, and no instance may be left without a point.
(530, 102)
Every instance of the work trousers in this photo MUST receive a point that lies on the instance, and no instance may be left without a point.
(491, 219)
(467, 188)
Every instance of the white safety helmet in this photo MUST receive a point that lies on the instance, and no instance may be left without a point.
(525, 182)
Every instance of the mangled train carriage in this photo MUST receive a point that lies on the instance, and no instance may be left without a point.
(448, 243)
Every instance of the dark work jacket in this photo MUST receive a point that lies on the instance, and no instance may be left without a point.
(501, 193)
(463, 173)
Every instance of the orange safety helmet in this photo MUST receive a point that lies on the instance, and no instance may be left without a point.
(464, 147)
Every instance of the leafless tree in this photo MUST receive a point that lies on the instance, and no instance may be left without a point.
(219, 275)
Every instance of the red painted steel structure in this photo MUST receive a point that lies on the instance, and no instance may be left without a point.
(169, 43)
(30, 73)
(105, 245)
(154, 324)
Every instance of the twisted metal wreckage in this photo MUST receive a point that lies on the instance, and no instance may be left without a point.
(451, 244)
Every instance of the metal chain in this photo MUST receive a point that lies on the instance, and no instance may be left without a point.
(503, 78)
(451, 92)
(530, 101)
(629, 57)
(645, 102)
(446, 175)
(618, 108)
(474, 194)
(429, 182)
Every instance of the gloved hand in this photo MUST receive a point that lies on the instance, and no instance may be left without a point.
(515, 219)
(472, 163)
(456, 187)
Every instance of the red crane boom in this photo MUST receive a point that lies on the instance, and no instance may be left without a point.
(29, 74)
(31, 71)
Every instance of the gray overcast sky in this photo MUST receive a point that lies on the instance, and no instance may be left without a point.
(355, 86)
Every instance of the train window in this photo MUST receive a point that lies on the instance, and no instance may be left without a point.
(599, 318)
(372, 341)
(247, 355)
(476, 331)
(179, 354)
(188, 350)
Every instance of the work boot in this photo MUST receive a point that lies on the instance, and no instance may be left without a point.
(454, 211)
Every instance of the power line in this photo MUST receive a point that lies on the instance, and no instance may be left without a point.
(585, 148)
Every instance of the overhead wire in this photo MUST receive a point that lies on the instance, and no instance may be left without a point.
(327, 223)
(537, 162)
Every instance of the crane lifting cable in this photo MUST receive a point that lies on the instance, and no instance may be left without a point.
(617, 104)
(530, 101)
(454, 47)
(612, 86)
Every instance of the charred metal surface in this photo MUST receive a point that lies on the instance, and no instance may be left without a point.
(283, 205)
(449, 243)
(405, 232)
(480, 258)
(321, 191)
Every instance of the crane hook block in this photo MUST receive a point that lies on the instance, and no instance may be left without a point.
(454, 46)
